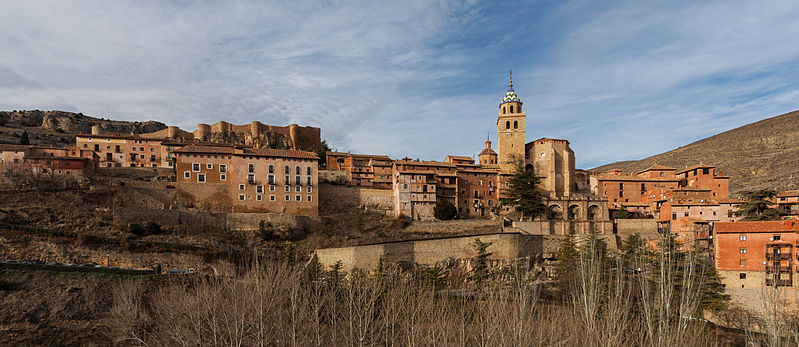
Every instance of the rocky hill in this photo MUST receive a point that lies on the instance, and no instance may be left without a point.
(59, 127)
(763, 154)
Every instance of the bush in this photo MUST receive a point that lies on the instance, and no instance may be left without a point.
(265, 230)
(151, 228)
(445, 210)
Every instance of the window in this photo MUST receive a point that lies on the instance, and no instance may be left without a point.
(515, 123)
(288, 188)
(742, 262)
(195, 167)
(298, 170)
(152, 149)
(742, 238)
(297, 180)
(271, 188)
(686, 214)
(308, 170)
(507, 125)
(259, 197)
(776, 237)
(286, 179)
(309, 198)
(288, 197)
(511, 108)
(250, 167)
(286, 170)
(201, 178)
(259, 189)
(742, 250)
(742, 275)
(705, 171)
(298, 198)
(133, 149)
(271, 198)
(310, 189)
(250, 178)
(222, 167)
(309, 181)
(141, 149)
(208, 166)
(141, 156)
(186, 174)
(241, 187)
(241, 197)
(271, 168)
(298, 189)
(222, 177)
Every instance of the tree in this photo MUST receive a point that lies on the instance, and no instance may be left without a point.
(623, 213)
(522, 193)
(758, 207)
(321, 151)
(568, 258)
(445, 210)
(24, 140)
(480, 262)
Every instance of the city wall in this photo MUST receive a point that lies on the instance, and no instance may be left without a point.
(504, 247)
(195, 221)
(334, 197)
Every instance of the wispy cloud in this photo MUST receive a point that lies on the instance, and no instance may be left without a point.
(412, 78)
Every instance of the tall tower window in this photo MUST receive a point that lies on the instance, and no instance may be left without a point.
(515, 125)
(511, 108)
(503, 109)
(507, 125)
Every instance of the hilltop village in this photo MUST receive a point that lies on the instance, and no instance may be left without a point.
(258, 172)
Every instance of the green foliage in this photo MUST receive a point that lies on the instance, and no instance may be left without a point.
(522, 192)
(435, 277)
(24, 140)
(758, 207)
(335, 273)
(568, 257)
(624, 214)
(480, 261)
(265, 230)
(445, 210)
(632, 249)
(315, 271)
(321, 151)
(359, 223)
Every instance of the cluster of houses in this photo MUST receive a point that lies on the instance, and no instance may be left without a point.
(693, 202)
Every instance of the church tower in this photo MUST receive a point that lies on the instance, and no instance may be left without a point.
(510, 129)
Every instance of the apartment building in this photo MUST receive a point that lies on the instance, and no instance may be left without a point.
(788, 202)
(48, 160)
(227, 178)
(371, 171)
(754, 254)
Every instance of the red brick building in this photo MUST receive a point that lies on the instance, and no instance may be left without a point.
(753, 254)
(372, 171)
(788, 202)
(227, 178)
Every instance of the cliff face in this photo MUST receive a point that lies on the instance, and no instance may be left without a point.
(763, 154)
(74, 123)
(59, 127)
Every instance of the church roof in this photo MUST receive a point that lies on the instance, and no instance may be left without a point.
(487, 151)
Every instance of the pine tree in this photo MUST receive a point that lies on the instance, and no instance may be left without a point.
(315, 271)
(24, 140)
(567, 262)
(522, 192)
(758, 207)
(480, 262)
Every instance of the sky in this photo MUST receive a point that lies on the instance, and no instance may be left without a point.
(621, 80)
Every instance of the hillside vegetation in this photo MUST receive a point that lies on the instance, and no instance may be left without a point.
(763, 154)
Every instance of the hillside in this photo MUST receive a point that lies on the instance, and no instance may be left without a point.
(59, 127)
(763, 154)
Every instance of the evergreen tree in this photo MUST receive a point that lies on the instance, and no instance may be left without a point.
(623, 213)
(758, 207)
(567, 261)
(315, 271)
(24, 140)
(480, 262)
(434, 276)
(522, 192)
(632, 249)
(445, 210)
(290, 254)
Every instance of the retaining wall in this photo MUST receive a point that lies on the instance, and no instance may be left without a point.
(210, 221)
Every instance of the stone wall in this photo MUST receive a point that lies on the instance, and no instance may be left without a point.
(183, 220)
(335, 177)
(332, 197)
(636, 226)
(455, 226)
(505, 247)
(562, 227)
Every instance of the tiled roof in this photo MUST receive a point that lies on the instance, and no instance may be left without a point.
(424, 163)
(755, 227)
(280, 153)
(488, 151)
(193, 148)
(788, 193)
(657, 167)
(700, 166)
(610, 177)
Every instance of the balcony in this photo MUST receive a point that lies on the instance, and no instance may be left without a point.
(779, 283)
(778, 256)
(778, 268)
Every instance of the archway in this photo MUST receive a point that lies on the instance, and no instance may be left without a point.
(593, 212)
(555, 212)
(574, 212)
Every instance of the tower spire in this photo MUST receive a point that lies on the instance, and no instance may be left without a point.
(510, 79)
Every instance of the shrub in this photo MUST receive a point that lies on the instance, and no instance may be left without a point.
(445, 210)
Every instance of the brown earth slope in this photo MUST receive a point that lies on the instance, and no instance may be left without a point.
(763, 154)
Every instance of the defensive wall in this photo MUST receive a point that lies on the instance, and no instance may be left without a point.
(303, 137)
(503, 248)
(183, 220)
(334, 197)
(481, 226)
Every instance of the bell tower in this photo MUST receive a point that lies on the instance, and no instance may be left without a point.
(510, 129)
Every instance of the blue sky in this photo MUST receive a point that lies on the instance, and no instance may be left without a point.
(423, 79)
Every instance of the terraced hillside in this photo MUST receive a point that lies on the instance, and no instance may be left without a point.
(763, 154)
